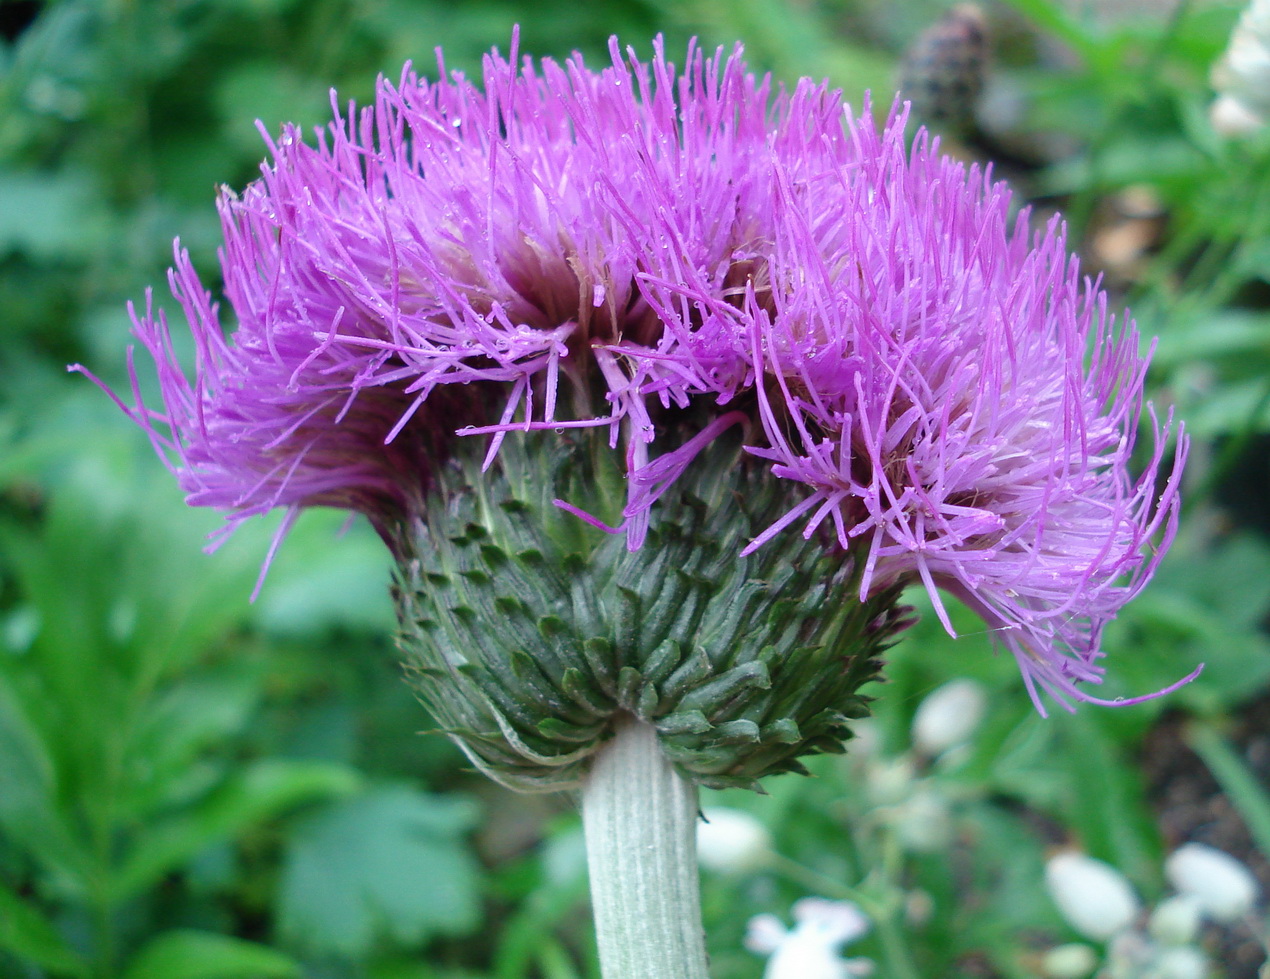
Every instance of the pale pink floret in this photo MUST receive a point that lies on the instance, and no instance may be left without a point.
(947, 398)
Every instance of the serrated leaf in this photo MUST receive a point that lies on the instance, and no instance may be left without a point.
(204, 955)
(24, 759)
(387, 864)
(181, 723)
(27, 809)
(262, 791)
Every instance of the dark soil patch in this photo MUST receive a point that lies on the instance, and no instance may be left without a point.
(1191, 807)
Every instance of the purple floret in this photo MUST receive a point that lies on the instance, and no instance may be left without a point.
(960, 405)
(945, 395)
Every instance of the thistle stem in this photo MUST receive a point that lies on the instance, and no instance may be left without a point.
(639, 816)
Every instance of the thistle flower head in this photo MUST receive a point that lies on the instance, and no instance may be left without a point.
(666, 255)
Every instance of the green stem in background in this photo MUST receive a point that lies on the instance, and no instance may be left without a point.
(640, 816)
(887, 920)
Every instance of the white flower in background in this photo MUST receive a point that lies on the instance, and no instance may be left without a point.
(1231, 117)
(810, 949)
(1093, 897)
(1074, 961)
(948, 717)
(1175, 921)
(889, 781)
(866, 740)
(1163, 951)
(922, 822)
(1223, 887)
(1242, 76)
(731, 841)
(1183, 962)
(1129, 956)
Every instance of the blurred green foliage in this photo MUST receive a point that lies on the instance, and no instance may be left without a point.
(196, 787)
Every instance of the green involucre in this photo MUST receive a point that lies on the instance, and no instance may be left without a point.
(529, 632)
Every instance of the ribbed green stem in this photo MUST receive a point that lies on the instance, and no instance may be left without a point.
(640, 816)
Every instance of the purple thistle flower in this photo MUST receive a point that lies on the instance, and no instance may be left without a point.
(947, 397)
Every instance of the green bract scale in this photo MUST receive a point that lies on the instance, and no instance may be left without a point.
(531, 632)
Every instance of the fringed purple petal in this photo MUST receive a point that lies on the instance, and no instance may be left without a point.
(946, 397)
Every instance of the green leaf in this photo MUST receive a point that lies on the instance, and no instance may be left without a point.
(1006, 871)
(1244, 788)
(390, 863)
(1106, 804)
(1232, 580)
(28, 770)
(264, 790)
(1055, 20)
(26, 933)
(1204, 606)
(1210, 336)
(409, 967)
(269, 91)
(203, 955)
(50, 217)
(181, 723)
(555, 961)
(28, 812)
(318, 582)
(541, 913)
(1230, 407)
